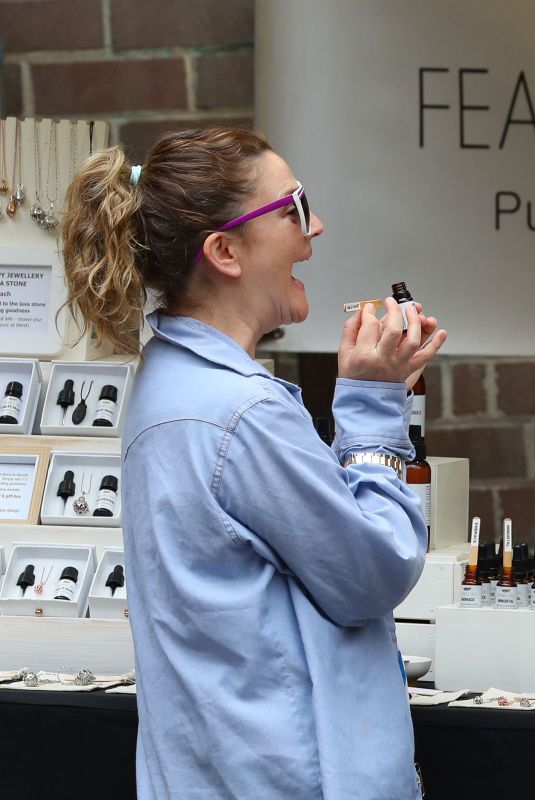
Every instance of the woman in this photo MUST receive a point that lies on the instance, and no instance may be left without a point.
(262, 565)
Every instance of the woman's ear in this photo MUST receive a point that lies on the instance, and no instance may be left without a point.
(221, 250)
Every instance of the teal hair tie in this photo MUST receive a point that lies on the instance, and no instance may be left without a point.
(135, 174)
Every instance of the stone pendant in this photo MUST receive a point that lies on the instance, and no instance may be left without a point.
(37, 213)
(4, 188)
(11, 209)
(19, 194)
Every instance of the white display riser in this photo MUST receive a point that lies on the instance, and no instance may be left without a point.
(418, 639)
(101, 645)
(439, 584)
(480, 648)
(102, 538)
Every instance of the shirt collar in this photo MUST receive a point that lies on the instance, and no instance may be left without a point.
(211, 344)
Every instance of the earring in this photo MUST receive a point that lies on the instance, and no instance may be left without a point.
(80, 505)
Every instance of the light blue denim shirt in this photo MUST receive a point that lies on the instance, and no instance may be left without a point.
(262, 576)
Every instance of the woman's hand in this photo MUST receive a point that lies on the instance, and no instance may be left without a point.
(378, 350)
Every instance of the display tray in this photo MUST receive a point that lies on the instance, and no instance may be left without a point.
(102, 603)
(27, 373)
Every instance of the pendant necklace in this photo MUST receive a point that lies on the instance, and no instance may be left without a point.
(78, 415)
(39, 587)
(4, 186)
(50, 221)
(36, 211)
(11, 209)
(19, 191)
(80, 505)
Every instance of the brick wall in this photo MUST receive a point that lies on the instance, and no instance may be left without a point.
(148, 67)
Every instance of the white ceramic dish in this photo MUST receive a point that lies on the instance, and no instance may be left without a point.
(416, 666)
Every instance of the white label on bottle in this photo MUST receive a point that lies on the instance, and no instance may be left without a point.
(507, 536)
(403, 306)
(418, 412)
(522, 595)
(105, 410)
(10, 407)
(423, 490)
(66, 588)
(493, 584)
(506, 597)
(106, 499)
(471, 596)
(485, 594)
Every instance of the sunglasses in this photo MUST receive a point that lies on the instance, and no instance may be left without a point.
(298, 198)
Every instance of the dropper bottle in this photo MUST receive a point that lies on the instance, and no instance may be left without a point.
(483, 571)
(520, 570)
(471, 585)
(506, 586)
(404, 298)
(418, 475)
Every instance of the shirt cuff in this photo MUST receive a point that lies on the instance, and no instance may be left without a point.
(373, 416)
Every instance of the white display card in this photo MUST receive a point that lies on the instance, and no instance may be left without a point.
(22, 477)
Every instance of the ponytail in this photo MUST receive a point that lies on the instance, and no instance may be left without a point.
(101, 251)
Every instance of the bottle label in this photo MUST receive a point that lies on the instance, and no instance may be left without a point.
(522, 595)
(423, 490)
(418, 412)
(105, 410)
(403, 306)
(471, 596)
(65, 588)
(106, 499)
(10, 407)
(506, 597)
(485, 594)
(493, 584)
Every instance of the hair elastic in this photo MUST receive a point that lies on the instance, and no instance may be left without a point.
(135, 174)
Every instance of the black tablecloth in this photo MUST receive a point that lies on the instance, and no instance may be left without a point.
(74, 746)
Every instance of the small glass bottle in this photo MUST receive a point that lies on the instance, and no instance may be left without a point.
(26, 578)
(66, 587)
(471, 588)
(106, 407)
(106, 497)
(418, 475)
(506, 586)
(520, 569)
(404, 298)
(11, 405)
(418, 405)
(494, 575)
(483, 571)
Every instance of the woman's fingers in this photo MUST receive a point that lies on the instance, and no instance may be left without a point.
(369, 327)
(391, 329)
(350, 330)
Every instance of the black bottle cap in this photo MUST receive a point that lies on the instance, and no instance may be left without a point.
(108, 392)
(415, 435)
(109, 482)
(14, 389)
(69, 573)
(27, 577)
(116, 578)
(67, 486)
(520, 559)
(324, 427)
(400, 292)
(66, 395)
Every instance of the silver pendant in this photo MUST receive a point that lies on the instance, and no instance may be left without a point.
(81, 506)
(37, 213)
(19, 194)
(49, 221)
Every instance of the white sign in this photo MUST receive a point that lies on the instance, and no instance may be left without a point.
(16, 486)
(412, 127)
(24, 299)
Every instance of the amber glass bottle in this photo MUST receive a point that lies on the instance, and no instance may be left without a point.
(418, 475)
(418, 405)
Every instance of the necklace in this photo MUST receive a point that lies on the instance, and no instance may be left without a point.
(50, 221)
(4, 186)
(11, 209)
(80, 505)
(36, 211)
(19, 191)
(39, 588)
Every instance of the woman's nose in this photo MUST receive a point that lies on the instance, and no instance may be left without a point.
(316, 225)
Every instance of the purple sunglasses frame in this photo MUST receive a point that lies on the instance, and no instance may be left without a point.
(294, 197)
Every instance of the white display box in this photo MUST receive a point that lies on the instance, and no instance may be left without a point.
(82, 373)
(439, 584)
(27, 372)
(102, 538)
(88, 469)
(449, 501)
(418, 639)
(479, 648)
(49, 561)
(102, 645)
(2, 565)
(101, 602)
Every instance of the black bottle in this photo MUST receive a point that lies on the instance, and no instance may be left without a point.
(106, 497)
(106, 407)
(116, 578)
(11, 405)
(67, 584)
(26, 578)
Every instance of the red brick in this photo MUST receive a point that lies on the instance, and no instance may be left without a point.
(102, 87)
(138, 137)
(494, 452)
(50, 24)
(181, 22)
(481, 505)
(516, 387)
(469, 394)
(225, 80)
(517, 502)
(11, 90)
(433, 392)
